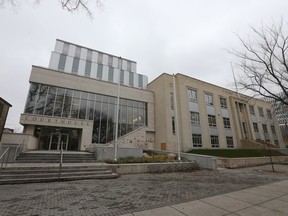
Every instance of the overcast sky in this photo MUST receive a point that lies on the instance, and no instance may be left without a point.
(172, 36)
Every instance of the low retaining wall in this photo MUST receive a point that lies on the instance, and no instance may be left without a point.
(247, 162)
(154, 167)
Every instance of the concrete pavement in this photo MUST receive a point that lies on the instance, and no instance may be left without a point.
(247, 191)
(266, 200)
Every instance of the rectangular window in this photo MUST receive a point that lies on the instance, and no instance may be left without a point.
(111, 74)
(122, 77)
(197, 140)
(223, 102)
(62, 62)
(226, 122)
(100, 71)
(214, 141)
(78, 52)
(264, 126)
(110, 61)
(229, 142)
(195, 119)
(173, 125)
(131, 79)
(269, 114)
(273, 129)
(89, 55)
(100, 58)
(212, 120)
(260, 110)
(251, 109)
(88, 68)
(140, 81)
(65, 48)
(192, 95)
(128, 65)
(209, 99)
(75, 65)
(172, 101)
(276, 142)
(255, 126)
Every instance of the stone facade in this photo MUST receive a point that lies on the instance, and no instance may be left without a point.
(4, 108)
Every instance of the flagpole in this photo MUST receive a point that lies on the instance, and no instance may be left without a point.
(176, 118)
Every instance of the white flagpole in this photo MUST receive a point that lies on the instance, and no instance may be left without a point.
(176, 117)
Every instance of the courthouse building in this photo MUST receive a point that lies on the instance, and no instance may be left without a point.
(75, 101)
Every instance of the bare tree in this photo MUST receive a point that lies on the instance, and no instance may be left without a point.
(69, 5)
(264, 62)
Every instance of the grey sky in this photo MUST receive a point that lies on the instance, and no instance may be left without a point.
(183, 36)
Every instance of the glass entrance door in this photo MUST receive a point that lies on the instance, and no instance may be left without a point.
(57, 139)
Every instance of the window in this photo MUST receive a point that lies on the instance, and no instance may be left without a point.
(195, 119)
(192, 95)
(172, 101)
(255, 126)
(140, 81)
(78, 52)
(264, 126)
(209, 99)
(273, 129)
(241, 107)
(260, 110)
(251, 109)
(226, 122)
(269, 114)
(173, 125)
(131, 79)
(111, 74)
(276, 142)
(197, 140)
(75, 65)
(229, 142)
(122, 77)
(110, 61)
(100, 58)
(88, 68)
(223, 102)
(212, 120)
(62, 62)
(89, 55)
(99, 71)
(214, 141)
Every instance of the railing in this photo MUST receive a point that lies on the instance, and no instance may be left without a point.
(2, 158)
(104, 151)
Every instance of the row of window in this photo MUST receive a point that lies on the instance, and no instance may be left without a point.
(197, 141)
(192, 97)
(195, 120)
(264, 127)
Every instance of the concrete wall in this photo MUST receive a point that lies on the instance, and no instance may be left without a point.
(29, 141)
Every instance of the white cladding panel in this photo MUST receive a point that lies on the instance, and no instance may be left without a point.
(124, 65)
(54, 59)
(72, 50)
(59, 46)
(115, 62)
(83, 53)
(133, 67)
(94, 56)
(105, 73)
(145, 82)
(81, 69)
(68, 65)
(126, 78)
(135, 83)
(116, 75)
(105, 59)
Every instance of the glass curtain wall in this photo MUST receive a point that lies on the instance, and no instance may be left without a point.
(60, 102)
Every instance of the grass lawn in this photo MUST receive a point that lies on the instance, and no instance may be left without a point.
(235, 153)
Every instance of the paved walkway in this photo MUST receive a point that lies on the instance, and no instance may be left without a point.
(248, 191)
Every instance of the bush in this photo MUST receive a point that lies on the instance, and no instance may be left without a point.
(152, 159)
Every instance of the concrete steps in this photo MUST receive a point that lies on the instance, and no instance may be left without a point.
(20, 175)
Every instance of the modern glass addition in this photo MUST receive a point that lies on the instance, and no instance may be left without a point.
(60, 102)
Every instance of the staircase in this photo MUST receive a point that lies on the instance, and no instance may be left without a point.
(54, 157)
(39, 166)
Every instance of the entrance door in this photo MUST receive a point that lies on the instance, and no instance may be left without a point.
(56, 139)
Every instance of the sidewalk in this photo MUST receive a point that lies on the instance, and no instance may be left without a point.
(266, 200)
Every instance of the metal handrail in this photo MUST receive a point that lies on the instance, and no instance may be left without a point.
(7, 151)
(17, 151)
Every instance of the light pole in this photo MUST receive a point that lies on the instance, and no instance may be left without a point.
(117, 109)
